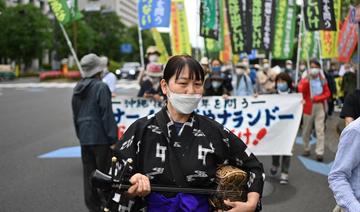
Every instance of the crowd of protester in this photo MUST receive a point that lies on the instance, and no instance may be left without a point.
(324, 90)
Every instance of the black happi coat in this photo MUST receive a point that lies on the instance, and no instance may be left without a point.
(188, 158)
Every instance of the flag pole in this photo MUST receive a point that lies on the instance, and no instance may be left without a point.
(197, 32)
(358, 72)
(141, 48)
(71, 48)
(299, 45)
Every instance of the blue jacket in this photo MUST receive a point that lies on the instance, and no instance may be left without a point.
(92, 113)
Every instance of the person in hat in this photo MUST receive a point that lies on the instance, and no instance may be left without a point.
(152, 54)
(243, 84)
(108, 77)
(204, 62)
(216, 85)
(150, 84)
(95, 124)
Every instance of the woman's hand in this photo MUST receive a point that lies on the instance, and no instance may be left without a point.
(148, 95)
(240, 206)
(140, 185)
(249, 206)
(225, 96)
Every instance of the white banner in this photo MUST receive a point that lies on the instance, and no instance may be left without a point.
(268, 124)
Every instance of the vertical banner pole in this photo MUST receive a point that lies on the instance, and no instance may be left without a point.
(299, 45)
(358, 71)
(71, 48)
(141, 48)
(197, 31)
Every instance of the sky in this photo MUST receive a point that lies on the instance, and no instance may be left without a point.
(192, 13)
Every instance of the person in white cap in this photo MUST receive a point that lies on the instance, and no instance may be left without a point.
(95, 124)
(204, 62)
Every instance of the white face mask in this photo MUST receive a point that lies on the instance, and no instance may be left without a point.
(153, 58)
(266, 65)
(215, 84)
(314, 71)
(288, 66)
(184, 103)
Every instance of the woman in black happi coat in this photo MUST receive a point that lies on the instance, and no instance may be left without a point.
(179, 148)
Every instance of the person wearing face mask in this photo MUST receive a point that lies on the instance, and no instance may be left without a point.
(152, 54)
(283, 85)
(289, 69)
(152, 57)
(216, 84)
(315, 90)
(150, 85)
(265, 81)
(243, 85)
(216, 65)
(177, 147)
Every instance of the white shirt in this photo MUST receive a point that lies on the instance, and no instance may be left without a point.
(110, 80)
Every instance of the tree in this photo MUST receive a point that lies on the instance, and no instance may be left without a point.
(346, 6)
(86, 40)
(2, 6)
(110, 32)
(25, 33)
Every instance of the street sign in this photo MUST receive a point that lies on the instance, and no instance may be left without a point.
(126, 48)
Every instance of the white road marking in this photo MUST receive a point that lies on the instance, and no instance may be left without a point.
(120, 85)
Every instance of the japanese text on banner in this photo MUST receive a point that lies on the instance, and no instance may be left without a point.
(268, 124)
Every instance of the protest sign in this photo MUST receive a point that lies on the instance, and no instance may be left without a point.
(268, 124)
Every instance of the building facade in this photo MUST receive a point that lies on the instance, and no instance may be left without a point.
(42, 4)
(125, 9)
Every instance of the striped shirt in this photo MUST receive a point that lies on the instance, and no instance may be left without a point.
(344, 177)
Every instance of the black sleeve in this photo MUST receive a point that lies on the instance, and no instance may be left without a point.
(242, 157)
(130, 142)
(348, 109)
(146, 87)
(228, 85)
(107, 114)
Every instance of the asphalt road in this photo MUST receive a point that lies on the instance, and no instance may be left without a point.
(37, 120)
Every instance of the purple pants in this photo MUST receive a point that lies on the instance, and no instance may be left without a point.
(181, 202)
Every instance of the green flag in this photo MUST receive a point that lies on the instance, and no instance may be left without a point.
(61, 10)
(75, 13)
(284, 29)
(309, 44)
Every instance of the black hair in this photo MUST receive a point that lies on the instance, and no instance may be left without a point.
(284, 76)
(315, 62)
(176, 65)
(216, 59)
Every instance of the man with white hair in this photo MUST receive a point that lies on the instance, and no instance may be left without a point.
(94, 124)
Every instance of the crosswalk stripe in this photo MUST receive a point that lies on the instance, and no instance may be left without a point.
(122, 85)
